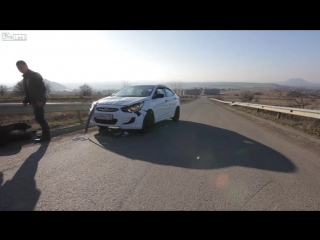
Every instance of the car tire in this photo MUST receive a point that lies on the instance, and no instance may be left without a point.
(148, 122)
(176, 115)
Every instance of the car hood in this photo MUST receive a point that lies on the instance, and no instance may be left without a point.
(121, 101)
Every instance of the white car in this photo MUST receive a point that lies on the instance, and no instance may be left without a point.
(136, 107)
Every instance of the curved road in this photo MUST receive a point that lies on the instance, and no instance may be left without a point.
(212, 159)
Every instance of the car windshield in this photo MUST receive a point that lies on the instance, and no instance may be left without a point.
(135, 91)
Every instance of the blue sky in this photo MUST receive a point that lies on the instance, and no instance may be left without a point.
(164, 56)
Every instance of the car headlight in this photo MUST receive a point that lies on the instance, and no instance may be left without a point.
(132, 108)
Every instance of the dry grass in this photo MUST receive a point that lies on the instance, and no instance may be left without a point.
(56, 120)
(268, 97)
(305, 124)
(64, 119)
(53, 98)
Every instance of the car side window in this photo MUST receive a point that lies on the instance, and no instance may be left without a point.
(169, 92)
(159, 90)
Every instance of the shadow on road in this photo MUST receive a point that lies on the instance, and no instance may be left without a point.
(20, 193)
(15, 147)
(196, 146)
(10, 149)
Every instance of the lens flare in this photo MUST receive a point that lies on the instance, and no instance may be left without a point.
(222, 180)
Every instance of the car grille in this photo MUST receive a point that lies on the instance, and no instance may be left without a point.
(113, 121)
(103, 109)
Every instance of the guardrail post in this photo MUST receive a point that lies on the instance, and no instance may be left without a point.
(278, 115)
(79, 116)
(258, 110)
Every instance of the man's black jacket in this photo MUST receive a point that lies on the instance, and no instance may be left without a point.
(34, 87)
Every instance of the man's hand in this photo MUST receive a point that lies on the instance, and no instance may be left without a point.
(39, 104)
(24, 104)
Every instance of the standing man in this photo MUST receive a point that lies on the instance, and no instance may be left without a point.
(35, 91)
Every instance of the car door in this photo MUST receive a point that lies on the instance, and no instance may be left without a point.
(171, 102)
(159, 105)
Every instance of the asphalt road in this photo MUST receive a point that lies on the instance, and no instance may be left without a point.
(212, 159)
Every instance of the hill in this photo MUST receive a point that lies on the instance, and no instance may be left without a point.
(231, 85)
(56, 86)
(285, 85)
(186, 85)
(299, 83)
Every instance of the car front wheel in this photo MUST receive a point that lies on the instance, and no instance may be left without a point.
(148, 122)
(176, 115)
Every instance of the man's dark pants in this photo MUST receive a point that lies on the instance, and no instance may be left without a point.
(39, 116)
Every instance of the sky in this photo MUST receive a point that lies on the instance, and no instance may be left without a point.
(79, 57)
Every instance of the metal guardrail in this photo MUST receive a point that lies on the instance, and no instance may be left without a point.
(293, 111)
(17, 108)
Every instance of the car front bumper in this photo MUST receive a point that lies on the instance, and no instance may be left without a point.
(120, 119)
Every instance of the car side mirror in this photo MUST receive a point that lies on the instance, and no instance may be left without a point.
(159, 95)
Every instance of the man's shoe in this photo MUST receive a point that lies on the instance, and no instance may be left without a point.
(39, 135)
(42, 139)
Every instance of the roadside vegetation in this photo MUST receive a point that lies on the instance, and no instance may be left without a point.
(297, 98)
(59, 120)
(293, 99)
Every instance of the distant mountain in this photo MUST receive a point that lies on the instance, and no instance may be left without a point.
(285, 85)
(230, 85)
(186, 85)
(299, 83)
(96, 85)
(56, 86)
(221, 85)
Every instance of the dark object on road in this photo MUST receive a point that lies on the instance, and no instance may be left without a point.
(117, 134)
(7, 135)
(81, 138)
(91, 111)
(125, 134)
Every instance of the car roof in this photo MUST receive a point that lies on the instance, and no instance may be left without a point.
(151, 85)
(142, 85)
